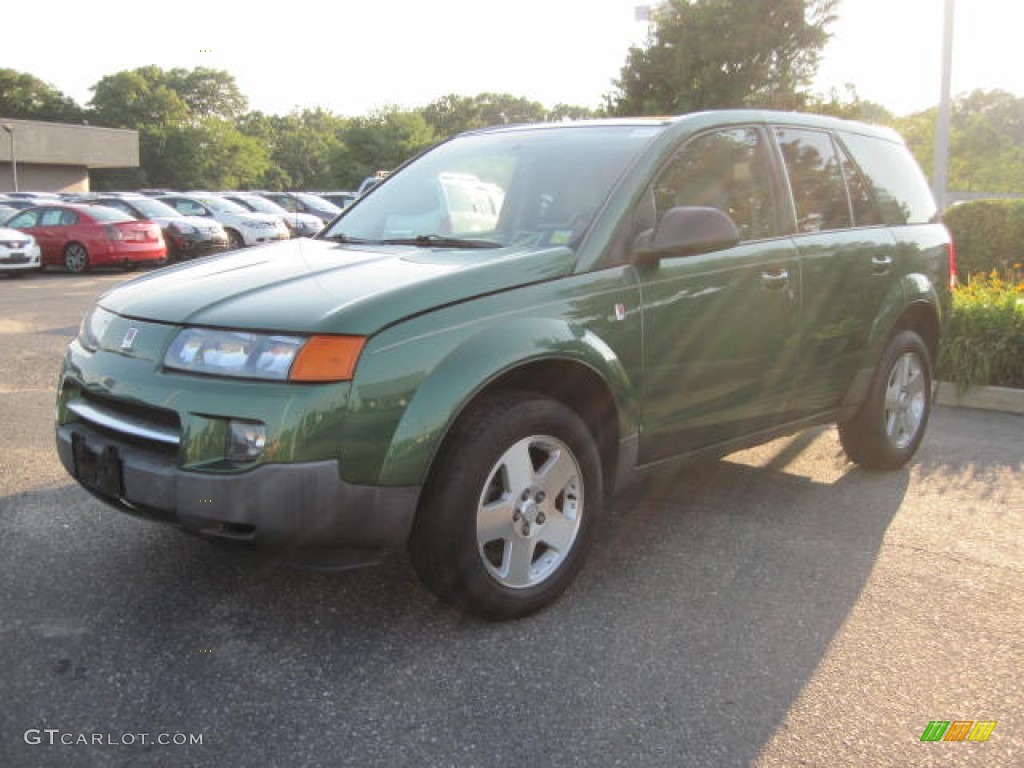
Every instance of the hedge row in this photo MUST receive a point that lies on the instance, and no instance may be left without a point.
(989, 236)
(983, 342)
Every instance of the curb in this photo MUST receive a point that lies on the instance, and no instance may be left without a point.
(1005, 399)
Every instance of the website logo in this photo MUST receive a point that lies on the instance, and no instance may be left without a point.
(958, 730)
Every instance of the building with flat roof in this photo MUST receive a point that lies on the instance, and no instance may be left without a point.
(57, 157)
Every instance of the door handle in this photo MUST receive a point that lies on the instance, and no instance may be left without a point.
(775, 279)
(880, 264)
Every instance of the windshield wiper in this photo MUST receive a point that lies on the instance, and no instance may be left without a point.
(440, 241)
(343, 238)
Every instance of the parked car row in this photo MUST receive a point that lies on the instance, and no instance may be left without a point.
(70, 230)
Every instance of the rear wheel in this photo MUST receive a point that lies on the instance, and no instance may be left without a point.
(76, 258)
(506, 516)
(890, 424)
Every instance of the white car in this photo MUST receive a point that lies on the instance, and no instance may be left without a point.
(243, 227)
(19, 252)
(299, 224)
(458, 204)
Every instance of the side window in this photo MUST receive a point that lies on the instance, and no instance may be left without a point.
(118, 205)
(899, 186)
(52, 217)
(727, 170)
(862, 202)
(23, 220)
(190, 208)
(816, 180)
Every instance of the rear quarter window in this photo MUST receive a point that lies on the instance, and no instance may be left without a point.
(899, 186)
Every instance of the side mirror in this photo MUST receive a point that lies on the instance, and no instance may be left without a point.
(688, 231)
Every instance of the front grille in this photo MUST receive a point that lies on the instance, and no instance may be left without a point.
(142, 425)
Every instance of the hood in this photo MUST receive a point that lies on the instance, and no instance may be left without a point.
(315, 286)
(305, 218)
(201, 223)
(249, 216)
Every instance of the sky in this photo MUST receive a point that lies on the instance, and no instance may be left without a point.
(353, 57)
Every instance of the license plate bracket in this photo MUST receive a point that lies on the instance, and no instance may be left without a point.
(100, 469)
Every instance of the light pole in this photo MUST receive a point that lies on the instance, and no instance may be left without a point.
(945, 110)
(14, 160)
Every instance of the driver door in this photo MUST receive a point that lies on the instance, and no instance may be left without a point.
(720, 329)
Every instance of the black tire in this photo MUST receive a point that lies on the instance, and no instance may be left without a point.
(235, 240)
(889, 426)
(76, 258)
(541, 518)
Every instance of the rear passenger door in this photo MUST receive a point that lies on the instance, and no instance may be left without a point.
(54, 232)
(719, 329)
(847, 266)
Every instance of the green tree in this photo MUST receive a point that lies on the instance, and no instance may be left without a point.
(453, 114)
(208, 92)
(186, 121)
(380, 141)
(304, 147)
(986, 142)
(849, 105)
(137, 97)
(562, 112)
(154, 96)
(26, 97)
(713, 54)
(209, 154)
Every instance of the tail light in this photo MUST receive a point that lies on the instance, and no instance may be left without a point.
(952, 266)
(133, 234)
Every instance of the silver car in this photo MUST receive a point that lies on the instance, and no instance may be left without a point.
(19, 252)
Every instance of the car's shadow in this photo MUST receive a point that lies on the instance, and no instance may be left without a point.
(708, 601)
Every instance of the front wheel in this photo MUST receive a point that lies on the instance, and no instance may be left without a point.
(235, 240)
(507, 513)
(890, 424)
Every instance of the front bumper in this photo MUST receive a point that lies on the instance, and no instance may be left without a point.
(21, 259)
(260, 236)
(303, 506)
(194, 246)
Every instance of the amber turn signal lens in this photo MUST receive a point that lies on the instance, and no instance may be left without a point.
(327, 358)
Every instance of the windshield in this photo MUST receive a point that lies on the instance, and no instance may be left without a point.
(317, 203)
(536, 187)
(220, 205)
(99, 213)
(262, 205)
(153, 208)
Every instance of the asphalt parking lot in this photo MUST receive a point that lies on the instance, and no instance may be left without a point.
(777, 608)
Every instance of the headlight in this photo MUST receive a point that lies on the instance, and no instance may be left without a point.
(94, 325)
(260, 224)
(185, 229)
(246, 355)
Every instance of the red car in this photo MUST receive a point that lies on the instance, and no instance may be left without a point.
(78, 237)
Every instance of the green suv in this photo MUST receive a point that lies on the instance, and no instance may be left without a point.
(640, 292)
